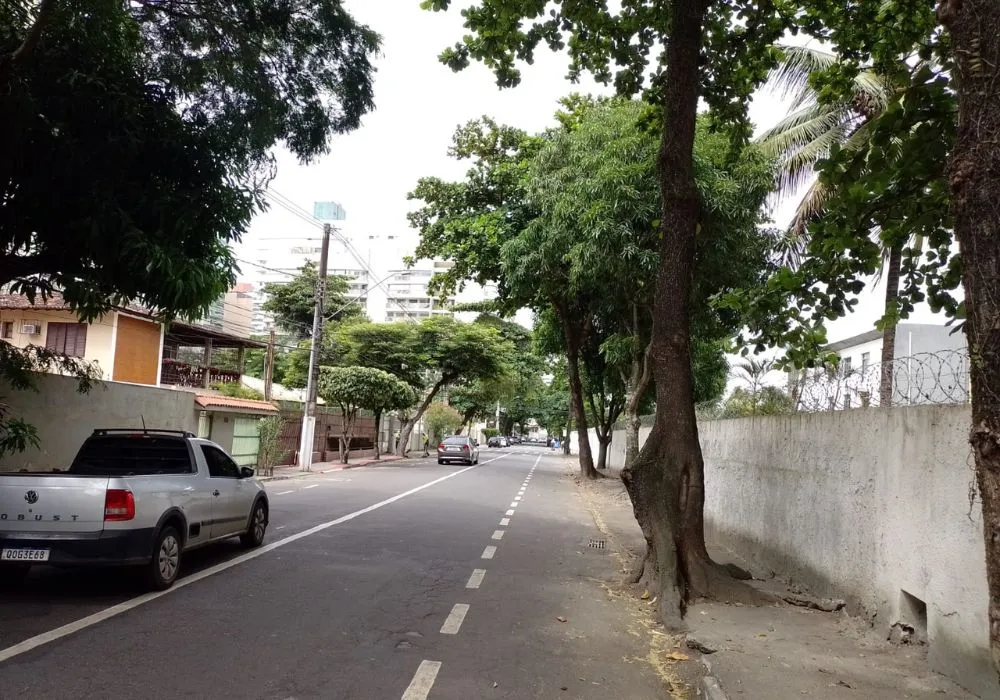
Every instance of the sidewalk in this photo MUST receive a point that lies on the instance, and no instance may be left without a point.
(293, 472)
(776, 652)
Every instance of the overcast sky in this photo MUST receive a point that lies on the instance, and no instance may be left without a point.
(419, 102)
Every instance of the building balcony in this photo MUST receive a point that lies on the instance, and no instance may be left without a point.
(179, 373)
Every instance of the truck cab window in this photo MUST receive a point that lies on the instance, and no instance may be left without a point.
(219, 463)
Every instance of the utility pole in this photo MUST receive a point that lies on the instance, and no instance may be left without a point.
(269, 366)
(309, 413)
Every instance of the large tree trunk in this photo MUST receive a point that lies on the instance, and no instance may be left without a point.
(636, 385)
(666, 480)
(403, 445)
(975, 188)
(378, 425)
(889, 334)
(604, 441)
(580, 416)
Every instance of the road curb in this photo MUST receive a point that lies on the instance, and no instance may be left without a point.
(286, 477)
(711, 689)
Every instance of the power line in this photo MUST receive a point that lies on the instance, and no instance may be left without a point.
(286, 203)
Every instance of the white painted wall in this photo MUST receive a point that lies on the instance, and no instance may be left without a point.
(64, 417)
(862, 505)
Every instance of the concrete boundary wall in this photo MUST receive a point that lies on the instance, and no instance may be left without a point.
(64, 417)
(869, 505)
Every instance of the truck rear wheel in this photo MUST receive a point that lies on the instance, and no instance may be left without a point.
(162, 570)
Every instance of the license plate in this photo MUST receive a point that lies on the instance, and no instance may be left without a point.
(24, 555)
(451, 449)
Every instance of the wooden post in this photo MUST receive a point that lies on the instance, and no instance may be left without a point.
(241, 357)
(269, 366)
(207, 364)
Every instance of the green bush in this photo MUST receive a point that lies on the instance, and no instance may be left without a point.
(236, 390)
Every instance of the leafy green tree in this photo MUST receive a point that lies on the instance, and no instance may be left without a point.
(355, 388)
(395, 395)
(180, 103)
(712, 50)
(441, 420)
(292, 303)
(453, 352)
(391, 347)
(468, 222)
(767, 401)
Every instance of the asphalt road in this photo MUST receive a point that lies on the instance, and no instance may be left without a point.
(407, 581)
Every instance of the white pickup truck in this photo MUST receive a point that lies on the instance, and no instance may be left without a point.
(131, 497)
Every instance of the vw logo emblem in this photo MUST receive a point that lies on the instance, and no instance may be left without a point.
(31, 497)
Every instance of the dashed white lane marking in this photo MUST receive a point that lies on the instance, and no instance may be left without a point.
(476, 579)
(453, 622)
(504, 522)
(489, 552)
(521, 492)
(280, 527)
(498, 534)
(517, 498)
(108, 613)
(311, 486)
(282, 493)
(423, 681)
(510, 512)
(513, 504)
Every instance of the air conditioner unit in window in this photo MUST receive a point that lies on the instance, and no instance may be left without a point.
(31, 328)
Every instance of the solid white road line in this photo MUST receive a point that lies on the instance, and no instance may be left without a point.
(108, 613)
(455, 618)
(498, 534)
(476, 580)
(510, 512)
(282, 493)
(423, 681)
(312, 486)
(489, 552)
(505, 521)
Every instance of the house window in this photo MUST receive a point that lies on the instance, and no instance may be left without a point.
(845, 364)
(67, 339)
(7, 330)
(866, 358)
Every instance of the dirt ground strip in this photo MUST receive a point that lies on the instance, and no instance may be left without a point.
(771, 652)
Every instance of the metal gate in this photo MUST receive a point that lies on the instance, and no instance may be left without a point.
(246, 441)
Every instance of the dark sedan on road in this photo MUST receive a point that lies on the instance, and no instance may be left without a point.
(458, 448)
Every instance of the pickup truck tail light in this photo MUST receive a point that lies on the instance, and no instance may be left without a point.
(119, 504)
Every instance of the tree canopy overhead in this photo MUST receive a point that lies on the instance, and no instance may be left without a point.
(292, 303)
(180, 103)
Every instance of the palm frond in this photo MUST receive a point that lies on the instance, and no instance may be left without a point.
(797, 129)
(791, 77)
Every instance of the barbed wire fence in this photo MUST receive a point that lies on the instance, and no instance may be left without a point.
(939, 378)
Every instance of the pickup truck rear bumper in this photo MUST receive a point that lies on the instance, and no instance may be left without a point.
(108, 548)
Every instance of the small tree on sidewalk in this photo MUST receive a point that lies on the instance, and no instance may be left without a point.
(355, 388)
(269, 452)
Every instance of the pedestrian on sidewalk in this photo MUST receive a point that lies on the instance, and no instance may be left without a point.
(425, 441)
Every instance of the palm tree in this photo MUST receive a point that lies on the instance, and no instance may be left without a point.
(804, 137)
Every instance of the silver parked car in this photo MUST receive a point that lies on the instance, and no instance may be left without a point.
(458, 448)
(130, 497)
